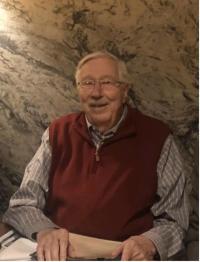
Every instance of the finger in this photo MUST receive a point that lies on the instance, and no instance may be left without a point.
(117, 251)
(126, 254)
(63, 249)
(138, 257)
(40, 253)
(47, 253)
(55, 250)
(142, 257)
(138, 254)
(63, 243)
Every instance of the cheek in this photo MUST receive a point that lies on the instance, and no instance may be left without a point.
(117, 98)
(83, 97)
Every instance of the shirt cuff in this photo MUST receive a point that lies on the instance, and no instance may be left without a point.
(29, 232)
(158, 242)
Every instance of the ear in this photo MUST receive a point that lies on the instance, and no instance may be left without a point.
(126, 88)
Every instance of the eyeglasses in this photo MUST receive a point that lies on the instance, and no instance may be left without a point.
(106, 84)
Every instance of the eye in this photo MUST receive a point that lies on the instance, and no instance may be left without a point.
(88, 82)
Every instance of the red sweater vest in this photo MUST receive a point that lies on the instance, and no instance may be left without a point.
(109, 199)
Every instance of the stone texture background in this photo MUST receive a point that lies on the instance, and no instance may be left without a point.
(41, 43)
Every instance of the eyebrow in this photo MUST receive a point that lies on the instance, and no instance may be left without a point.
(102, 77)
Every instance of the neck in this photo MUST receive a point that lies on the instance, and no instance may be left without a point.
(102, 129)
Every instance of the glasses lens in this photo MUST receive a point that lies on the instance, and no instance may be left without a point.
(87, 83)
(104, 83)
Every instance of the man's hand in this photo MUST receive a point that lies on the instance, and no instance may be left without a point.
(136, 248)
(52, 244)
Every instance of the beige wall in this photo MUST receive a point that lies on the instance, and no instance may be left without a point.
(41, 42)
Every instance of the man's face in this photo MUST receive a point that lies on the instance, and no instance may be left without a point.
(102, 104)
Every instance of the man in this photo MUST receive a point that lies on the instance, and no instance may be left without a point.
(108, 172)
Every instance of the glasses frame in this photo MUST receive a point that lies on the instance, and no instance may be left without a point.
(92, 85)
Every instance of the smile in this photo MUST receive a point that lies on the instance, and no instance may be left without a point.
(98, 105)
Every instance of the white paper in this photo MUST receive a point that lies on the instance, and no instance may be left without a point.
(7, 235)
(19, 250)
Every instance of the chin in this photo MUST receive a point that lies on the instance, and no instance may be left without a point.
(98, 119)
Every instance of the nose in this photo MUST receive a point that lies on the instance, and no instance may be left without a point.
(97, 90)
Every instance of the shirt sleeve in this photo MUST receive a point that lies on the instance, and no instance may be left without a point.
(25, 212)
(171, 211)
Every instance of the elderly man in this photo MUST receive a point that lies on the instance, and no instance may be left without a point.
(108, 172)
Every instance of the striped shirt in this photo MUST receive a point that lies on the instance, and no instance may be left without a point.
(171, 212)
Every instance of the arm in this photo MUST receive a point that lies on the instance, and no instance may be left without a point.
(4, 229)
(171, 212)
(25, 212)
(192, 238)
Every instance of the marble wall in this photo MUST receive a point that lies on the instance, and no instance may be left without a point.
(42, 41)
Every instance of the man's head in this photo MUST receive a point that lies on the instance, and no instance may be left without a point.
(101, 79)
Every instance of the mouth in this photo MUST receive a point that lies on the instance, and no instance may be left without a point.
(98, 105)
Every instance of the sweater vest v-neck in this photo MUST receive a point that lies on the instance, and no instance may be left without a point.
(110, 198)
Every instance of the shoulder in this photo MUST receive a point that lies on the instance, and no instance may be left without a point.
(149, 130)
(150, 124)
(69, 118)
(61, 125)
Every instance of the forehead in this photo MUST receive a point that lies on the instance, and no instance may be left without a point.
(98, 67)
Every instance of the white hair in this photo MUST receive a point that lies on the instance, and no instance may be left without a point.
(122, 70)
